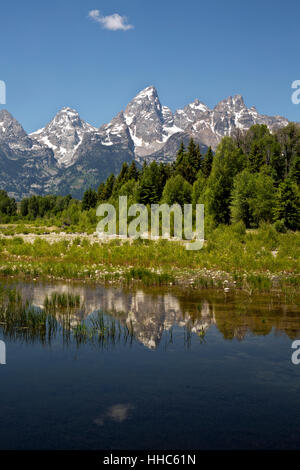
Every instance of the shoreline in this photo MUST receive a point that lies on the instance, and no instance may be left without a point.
(256, 261)
(219, 281)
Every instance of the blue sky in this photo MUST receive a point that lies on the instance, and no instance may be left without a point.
(54, 55)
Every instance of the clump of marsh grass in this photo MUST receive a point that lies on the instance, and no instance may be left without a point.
(258, 282)
(147, 277)
(20, 320)
(62, 300)
(102, 330)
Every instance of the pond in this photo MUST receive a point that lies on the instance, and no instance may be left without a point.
(132, 368)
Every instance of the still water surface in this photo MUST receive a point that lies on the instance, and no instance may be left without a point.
(199, 370)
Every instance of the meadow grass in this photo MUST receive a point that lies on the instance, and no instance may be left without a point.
(260, 259)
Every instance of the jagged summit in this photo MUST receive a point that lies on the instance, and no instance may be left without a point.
(68, 154)
(232, 103)
(147, 125)
(196, 104)
(150, 124)
(63, 135)
(10, 128)
(149, 92)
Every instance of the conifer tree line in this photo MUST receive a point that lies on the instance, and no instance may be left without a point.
(253, 177)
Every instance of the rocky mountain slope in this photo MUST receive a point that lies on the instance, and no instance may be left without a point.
(26, 166)
(64, 135)
(68, 154)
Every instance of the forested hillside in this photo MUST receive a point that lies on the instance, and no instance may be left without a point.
(253, 177)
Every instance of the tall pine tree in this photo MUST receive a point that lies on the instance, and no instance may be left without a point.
(255, 158)
(133, 173)
(287, 206)
(188, 163)
(207, 163)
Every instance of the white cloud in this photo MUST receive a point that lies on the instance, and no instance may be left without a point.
(118, 413)
(113, 22)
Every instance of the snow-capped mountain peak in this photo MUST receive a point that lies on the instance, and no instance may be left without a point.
(150, 124)
(198, 105)
(191, 113)
(69, 155)
(13, 134)
(116, 132)
(146, 126)
(232, 104)
(63, 135)
(228, 115)
(149, 93)
(10, 128)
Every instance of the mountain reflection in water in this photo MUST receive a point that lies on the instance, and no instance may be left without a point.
(154, 368)
(148, 313)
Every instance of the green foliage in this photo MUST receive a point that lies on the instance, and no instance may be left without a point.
(228, 161)
(255, 158)
(237, 253)
(108, 188)
(89, 199)
(44, 206)
(199, 188)
(263, 199)
(287, 206)
(239, 228)
(100, 192)
(70, 216)
(64, 300)
(254, 177)
(8, 205)
(207, 163)
(133, 172)
(253, 198)
(295, 169)
(122, 178)
(280, 226)
(147, 277)
(289, 139)
(177, 190)
(128, 189)
(188, 163)
(151, 184)
(262, 148)
(241, 200)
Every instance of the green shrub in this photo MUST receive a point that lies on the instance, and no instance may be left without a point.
(279, 226)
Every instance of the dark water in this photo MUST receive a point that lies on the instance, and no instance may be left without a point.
(200, 371)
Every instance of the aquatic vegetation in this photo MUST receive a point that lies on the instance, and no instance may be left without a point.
(101, 329)
(258, 282)
(148, 278)
(64, 300)
(19, 319)
(60, 316)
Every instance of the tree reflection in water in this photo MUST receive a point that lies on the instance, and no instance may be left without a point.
(106, 316)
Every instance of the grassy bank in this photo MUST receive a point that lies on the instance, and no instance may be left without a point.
(261, 259)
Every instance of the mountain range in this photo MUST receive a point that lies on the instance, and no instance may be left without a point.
(69, 155)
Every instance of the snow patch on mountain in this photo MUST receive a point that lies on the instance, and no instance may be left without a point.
(64, 135)
(146, 127)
